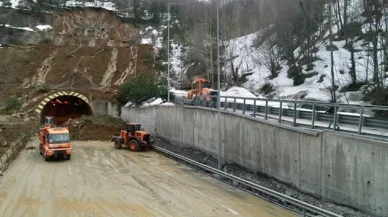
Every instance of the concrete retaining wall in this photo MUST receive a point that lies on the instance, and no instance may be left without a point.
(340, 168)
(12, 152)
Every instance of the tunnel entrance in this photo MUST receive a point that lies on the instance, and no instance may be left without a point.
(65, 107)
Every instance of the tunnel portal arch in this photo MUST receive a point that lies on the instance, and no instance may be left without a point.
(63, 106)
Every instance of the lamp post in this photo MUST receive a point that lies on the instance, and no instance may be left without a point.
(168, 47)
(219, 90)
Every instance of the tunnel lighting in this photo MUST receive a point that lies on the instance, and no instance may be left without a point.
(59, 101)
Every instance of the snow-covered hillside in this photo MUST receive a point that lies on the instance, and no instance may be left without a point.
(251, 59)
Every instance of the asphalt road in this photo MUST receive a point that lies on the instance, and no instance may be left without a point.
(102, 181)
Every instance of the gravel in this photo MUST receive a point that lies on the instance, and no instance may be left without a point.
(261, 179)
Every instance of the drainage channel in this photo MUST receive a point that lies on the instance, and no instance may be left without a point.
(282, 200)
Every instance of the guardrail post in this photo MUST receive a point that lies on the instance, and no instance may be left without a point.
(244, 106)
(360, 123)
(335, 117)
(254, 108)
(266, 109)
(313, 117)
(234, 105)
(226, 103)
(294, 114)
(280, 111)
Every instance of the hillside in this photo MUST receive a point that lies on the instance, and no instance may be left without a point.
(255, 52)
(282, 49)
(274, 49)
(85, 49)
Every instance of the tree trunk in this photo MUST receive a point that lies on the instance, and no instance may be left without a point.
(353, 73)
(375, 58)
(333, 89)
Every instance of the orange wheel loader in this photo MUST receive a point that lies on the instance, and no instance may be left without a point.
(133, 137)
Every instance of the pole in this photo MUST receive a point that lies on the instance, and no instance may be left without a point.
(168, 52)
(219, 89)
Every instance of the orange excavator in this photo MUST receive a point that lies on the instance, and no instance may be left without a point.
(202, 92)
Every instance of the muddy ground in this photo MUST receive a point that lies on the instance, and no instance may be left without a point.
(258, 179)
(100, 180)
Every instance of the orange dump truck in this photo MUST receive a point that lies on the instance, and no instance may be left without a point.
(54, 142)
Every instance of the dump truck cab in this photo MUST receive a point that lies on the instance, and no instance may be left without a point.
(132, 137)
(55, 142)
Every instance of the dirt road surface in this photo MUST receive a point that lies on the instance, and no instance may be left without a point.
(102, 181)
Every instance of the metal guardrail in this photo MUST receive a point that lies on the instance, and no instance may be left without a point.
(356, 119)
(272, 196)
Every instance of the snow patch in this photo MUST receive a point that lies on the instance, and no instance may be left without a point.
(110, 6)
(44, 27)
(21, 28)
(146, 41)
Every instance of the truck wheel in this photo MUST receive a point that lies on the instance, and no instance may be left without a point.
(46, 158)
(40, 149)
(117, 144)
(68, 157)
(133, 145)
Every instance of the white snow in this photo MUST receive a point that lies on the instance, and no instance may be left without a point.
(21, 28)
(156, 102)
(167, 104)
(110, 6)
(146, 41)
(44, 27)
(179, 93)
(238, 92)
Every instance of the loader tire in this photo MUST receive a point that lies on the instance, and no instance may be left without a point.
(133, 145)
(117, 143)
(40, 149)
(68, 157)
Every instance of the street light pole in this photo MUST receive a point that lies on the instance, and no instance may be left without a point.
(168, 52)
(219, 90)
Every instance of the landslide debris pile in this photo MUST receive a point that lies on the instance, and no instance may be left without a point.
(94, 127)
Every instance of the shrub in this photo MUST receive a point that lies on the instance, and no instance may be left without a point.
(266, 89)
(352, 87)
(142, 88)
(45, 41)
(11, 105)
(42, 88)
(378, 96)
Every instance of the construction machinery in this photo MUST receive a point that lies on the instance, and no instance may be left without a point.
(133, 137)
(54, 141)
(201, 92)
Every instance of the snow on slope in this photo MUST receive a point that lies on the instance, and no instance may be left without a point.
(110, 6)
(249, 56)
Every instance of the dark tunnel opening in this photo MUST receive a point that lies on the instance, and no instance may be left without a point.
(64, 108)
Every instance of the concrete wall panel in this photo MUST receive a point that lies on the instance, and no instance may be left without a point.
(340, 168)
